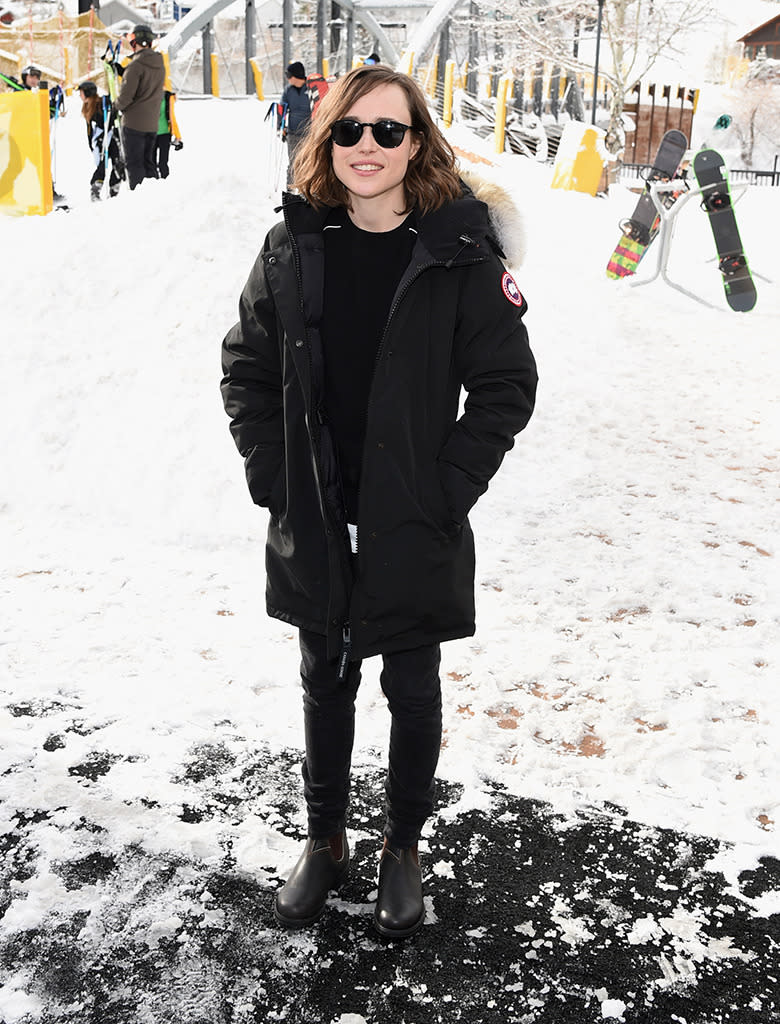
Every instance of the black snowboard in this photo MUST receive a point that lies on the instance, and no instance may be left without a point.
(639, 225)
(738, 283)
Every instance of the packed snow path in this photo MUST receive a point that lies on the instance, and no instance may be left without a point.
(616, 713)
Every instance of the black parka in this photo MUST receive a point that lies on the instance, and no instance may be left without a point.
(455, 323)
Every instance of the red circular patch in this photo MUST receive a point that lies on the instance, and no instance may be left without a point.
(510, 289)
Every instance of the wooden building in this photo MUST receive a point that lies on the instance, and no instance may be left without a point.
(765, 37)
(655, 109)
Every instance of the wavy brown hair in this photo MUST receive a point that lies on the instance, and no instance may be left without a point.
(431, 178)
(90, 106)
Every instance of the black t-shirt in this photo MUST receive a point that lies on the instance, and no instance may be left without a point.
(362, 271)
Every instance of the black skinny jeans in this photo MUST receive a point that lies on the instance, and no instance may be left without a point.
(410, 682)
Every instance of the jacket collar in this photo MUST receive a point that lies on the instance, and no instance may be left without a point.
(458, 232)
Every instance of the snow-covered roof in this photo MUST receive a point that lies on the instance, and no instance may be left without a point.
(747, 36)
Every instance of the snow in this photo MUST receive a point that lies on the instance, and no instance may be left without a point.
(627, 583)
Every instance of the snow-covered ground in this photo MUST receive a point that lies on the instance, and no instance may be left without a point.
(628, 636)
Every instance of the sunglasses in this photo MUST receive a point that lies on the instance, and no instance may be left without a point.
(387, 134)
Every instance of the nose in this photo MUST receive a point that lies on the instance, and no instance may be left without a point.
(367, 140)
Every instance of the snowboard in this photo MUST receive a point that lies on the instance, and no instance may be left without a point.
(710, 171)
(642, 226)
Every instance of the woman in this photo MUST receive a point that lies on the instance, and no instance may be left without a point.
(379, 298)
(97, 110)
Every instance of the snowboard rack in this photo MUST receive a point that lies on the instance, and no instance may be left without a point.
(667, 215)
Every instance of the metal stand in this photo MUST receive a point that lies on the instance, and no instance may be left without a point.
(668, 217)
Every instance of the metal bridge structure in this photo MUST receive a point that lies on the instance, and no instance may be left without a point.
(200, 17)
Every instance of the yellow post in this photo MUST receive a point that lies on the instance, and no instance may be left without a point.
(258, 75)
(325, 67)
(407, 62)
(449, 75)
(433, 74)
(214, 75)
(167, 62)
(503, 88)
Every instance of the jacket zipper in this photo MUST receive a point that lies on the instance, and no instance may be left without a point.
(346, 631)
(466, 241)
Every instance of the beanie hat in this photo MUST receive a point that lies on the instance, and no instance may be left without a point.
(296, 70)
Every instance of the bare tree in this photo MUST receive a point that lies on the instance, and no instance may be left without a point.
(755, 105)
(635, 34)
(638, 33)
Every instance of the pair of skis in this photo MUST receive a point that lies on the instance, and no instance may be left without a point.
(112, 122)
(643, 225)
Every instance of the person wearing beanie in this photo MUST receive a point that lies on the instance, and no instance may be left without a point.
(296, 112)
(143, 84)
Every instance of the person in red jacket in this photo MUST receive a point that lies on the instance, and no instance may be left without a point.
(380, 296)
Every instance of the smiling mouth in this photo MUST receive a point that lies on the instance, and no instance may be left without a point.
(366, 167)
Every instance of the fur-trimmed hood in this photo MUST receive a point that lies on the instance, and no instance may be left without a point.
(505, 217)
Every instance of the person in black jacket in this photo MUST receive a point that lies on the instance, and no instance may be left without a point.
(97, 110)
(296, 105)
(380, 297)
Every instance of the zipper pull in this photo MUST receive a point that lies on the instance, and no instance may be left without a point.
(346, 650)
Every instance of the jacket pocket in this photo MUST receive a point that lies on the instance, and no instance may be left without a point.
(438, 506)
(265, 475)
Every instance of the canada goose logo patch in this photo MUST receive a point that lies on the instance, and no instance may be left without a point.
(510, 289)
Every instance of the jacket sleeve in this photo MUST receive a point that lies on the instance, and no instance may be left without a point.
(497, 367)
(252, 386)
(130, 82)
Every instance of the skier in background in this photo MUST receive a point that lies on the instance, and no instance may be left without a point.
(296, 106)
(380, 296)
(139, 102)
(168, 134)
(94, 109)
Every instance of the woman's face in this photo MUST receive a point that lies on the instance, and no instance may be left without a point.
(373, 175)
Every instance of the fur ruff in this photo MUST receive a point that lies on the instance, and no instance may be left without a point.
(505, 217)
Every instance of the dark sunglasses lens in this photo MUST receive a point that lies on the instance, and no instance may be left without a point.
(389, 134)
(346, 133)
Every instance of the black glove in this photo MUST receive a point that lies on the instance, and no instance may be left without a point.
(177, 144)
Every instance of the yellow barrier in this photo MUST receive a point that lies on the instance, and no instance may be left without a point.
(214, 75)
(433, 75)
(25, 158)
(503, 88)
(449, 75)
(258, 77)
(579, 162)
(407, 62)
